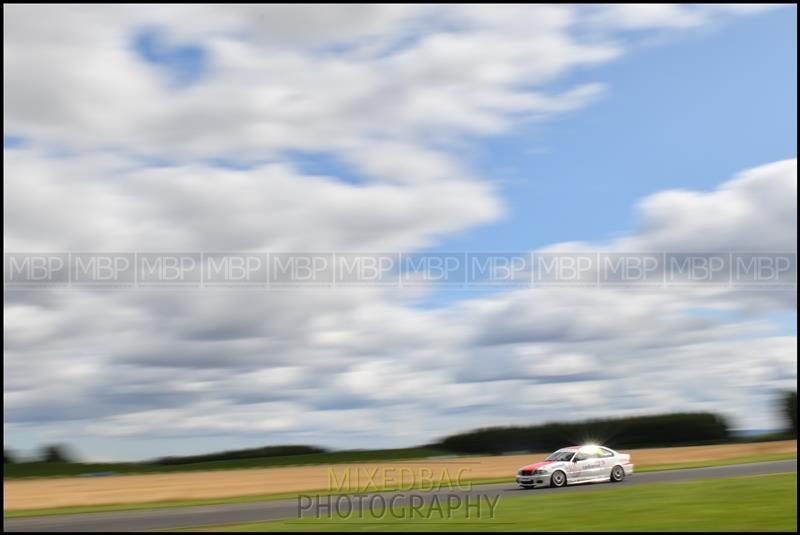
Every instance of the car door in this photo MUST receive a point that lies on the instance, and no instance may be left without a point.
(584, 466)
(607, 460)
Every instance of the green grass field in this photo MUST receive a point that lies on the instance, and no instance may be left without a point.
(760, 503)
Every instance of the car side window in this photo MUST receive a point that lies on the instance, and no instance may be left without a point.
(580, 457)
(605, 453)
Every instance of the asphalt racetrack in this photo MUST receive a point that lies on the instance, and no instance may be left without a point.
(198, 516)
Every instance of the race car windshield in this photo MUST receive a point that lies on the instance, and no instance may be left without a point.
(561, 456)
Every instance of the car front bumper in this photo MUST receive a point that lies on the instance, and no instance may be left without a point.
(534, 481)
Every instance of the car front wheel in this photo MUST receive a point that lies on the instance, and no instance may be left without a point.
(558, 479)
(617, 474)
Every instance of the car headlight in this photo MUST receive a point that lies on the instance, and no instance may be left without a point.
(539, 472)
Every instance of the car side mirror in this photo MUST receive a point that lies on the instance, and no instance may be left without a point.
(575, 460)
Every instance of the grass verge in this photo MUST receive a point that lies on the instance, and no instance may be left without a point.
(756, 503)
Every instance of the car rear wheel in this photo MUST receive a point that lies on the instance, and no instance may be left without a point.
(617, 474)
(558, 479)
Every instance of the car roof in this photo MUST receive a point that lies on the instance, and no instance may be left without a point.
(594, 447)
(587, 447)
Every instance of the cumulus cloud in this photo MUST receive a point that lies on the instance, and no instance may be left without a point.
(271, 363)
(282, 77)
(266, 92)
(110, 203)
(758, 207)
(118, 157)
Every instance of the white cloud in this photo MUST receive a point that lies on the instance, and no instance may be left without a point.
(108, 204)
(204, 362)
(264, 92)
(659, 16)
(395, 93)
(758, 208)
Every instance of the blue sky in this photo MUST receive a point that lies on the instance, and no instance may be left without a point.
(186, 63)
(685, 113)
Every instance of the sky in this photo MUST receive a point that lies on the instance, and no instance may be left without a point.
(391, 128)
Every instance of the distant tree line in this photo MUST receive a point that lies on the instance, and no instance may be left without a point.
(52, 453)
(640, 431)
(252, 453)
(634, 432)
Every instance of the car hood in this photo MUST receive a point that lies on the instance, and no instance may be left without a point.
(536, 466)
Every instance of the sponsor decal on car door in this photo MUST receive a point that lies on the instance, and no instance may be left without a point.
(584, 467)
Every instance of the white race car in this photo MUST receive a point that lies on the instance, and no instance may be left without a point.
(577, 464)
